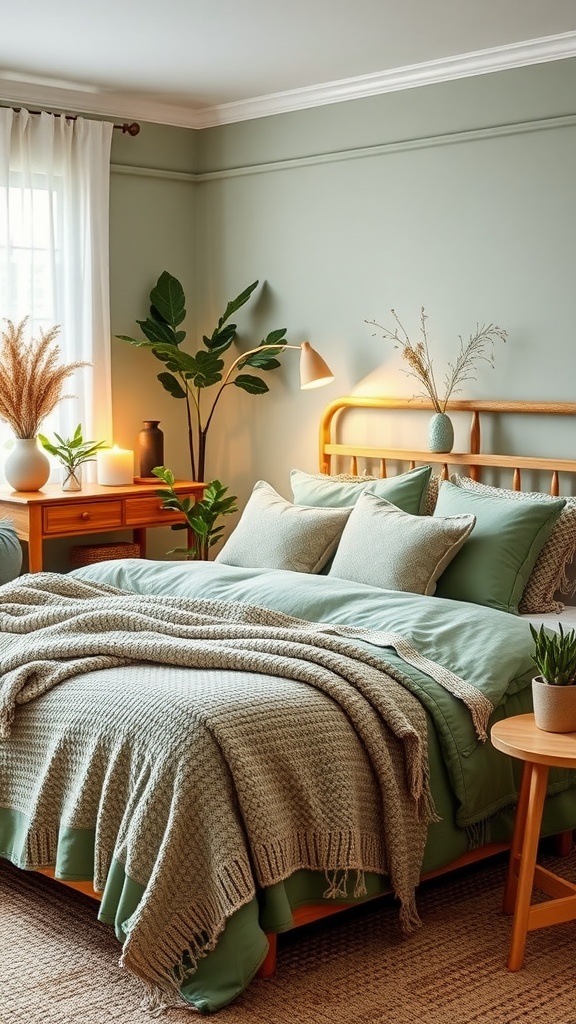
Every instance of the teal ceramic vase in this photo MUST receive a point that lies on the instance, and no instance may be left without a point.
(440, 433)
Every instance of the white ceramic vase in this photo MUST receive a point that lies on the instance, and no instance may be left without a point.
(27, 468)
(554, 706)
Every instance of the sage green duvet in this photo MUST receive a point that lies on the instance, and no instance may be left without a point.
(474, 787)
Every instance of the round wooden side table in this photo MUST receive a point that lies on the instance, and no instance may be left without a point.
(521, 738)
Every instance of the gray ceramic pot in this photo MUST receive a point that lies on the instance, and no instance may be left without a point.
(554, 706)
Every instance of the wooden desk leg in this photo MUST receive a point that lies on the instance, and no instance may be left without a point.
(139, 537)
(538, 779)
(35, 540)
(511, 887)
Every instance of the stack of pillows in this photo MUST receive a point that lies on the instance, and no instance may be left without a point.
(505, 549)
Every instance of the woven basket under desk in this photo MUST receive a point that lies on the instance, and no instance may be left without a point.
(87, 554)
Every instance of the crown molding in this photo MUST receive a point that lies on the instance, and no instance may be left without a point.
(117, 105)
(481, 62)
(108, 105)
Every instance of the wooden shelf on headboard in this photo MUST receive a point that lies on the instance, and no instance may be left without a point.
(473, 459)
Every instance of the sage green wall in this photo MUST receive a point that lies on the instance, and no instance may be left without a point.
(458, 196)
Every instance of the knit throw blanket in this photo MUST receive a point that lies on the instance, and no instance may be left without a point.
(300, 751)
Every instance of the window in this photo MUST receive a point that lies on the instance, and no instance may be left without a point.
(54, 259)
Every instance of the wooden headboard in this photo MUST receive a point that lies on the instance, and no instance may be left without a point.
(473, 459)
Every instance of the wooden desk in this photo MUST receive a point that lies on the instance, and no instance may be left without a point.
(51, 512)
(520, 737)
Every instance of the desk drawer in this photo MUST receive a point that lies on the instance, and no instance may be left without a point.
(82, 517)
(140, 511)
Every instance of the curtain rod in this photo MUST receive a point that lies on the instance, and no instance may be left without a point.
(127, 129)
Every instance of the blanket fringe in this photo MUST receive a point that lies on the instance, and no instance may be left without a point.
(409, 918)
(478, 834)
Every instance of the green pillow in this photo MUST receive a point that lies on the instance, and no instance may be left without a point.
(495, 563)
(407, 490)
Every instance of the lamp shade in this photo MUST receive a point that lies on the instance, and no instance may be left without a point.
(314, 372)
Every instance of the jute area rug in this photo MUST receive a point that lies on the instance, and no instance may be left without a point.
(58, 965)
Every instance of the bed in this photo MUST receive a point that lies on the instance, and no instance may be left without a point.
(221, 751)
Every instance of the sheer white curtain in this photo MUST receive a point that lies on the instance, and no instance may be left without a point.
(54, 253)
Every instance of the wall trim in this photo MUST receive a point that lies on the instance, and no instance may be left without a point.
(480, 62)
(362, 153)
(381, 149)
(153, 172)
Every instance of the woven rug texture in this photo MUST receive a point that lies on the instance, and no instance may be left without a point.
(58, 965)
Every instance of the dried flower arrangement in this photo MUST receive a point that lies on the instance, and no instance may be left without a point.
(31, 377)
(478, 348)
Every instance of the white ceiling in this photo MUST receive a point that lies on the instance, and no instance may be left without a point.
(197, 63)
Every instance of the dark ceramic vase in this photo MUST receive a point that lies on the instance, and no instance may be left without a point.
(150, 447)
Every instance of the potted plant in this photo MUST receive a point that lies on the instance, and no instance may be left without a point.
(31, 381)
(72, 452)
(554, 689)
(188, 377)
(200, 516)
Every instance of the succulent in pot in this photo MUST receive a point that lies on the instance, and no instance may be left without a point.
(554, 688)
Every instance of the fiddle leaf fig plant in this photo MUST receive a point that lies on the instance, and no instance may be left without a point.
(188, 376)
(200, 516)
(555, 655)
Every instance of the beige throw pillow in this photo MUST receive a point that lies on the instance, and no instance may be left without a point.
(274, 534)
(385, 547)
(549, 573)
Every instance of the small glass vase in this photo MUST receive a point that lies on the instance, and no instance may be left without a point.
(71, 479)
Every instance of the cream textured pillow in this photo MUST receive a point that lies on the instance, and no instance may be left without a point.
(549, 573)
(274, 534)
(385, 547)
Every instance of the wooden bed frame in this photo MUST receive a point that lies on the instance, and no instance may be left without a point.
(332, 452)
(473, 461)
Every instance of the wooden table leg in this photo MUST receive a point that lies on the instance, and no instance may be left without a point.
(511, 887)
(538, 778)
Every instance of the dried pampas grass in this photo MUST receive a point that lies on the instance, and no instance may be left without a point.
(31, 377)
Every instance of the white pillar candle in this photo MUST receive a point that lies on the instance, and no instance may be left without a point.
(115, 466)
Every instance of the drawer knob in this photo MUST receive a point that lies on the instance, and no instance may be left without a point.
(85, 515)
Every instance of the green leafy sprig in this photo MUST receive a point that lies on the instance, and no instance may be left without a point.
(72, 451)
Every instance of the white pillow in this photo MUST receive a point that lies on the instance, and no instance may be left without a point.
(385, 547)
(275, 534)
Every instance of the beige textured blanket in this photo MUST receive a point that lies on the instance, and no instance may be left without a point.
(298, 752)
